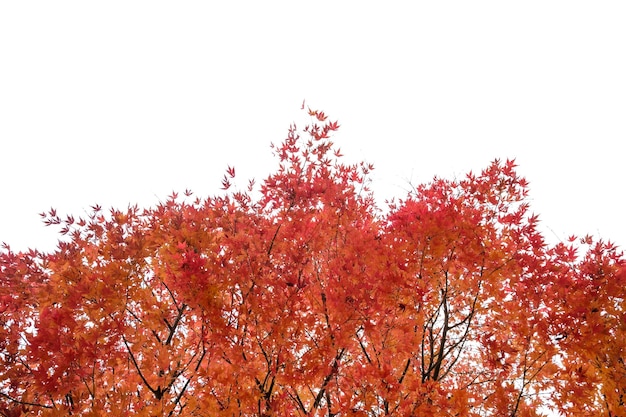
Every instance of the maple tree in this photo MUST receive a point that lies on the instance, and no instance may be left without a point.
(309, 300)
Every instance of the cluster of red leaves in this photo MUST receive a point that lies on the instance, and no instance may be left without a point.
(308, 301)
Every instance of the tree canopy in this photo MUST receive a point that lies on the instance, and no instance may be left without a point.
(301, 297)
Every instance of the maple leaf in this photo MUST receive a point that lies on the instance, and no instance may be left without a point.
(225, 183)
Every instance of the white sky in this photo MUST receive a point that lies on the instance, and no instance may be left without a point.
(122, 102)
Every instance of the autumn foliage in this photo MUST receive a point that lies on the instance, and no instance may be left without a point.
(300, 297)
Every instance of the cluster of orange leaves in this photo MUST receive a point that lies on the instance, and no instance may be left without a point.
(311, 301)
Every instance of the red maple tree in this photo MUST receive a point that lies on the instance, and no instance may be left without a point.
(310, 301)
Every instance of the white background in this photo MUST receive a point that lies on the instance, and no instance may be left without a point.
(122, 102)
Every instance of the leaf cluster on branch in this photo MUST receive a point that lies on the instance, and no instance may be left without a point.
(309, 301)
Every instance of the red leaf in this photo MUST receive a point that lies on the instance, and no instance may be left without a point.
(333, 125)
(225, 183)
